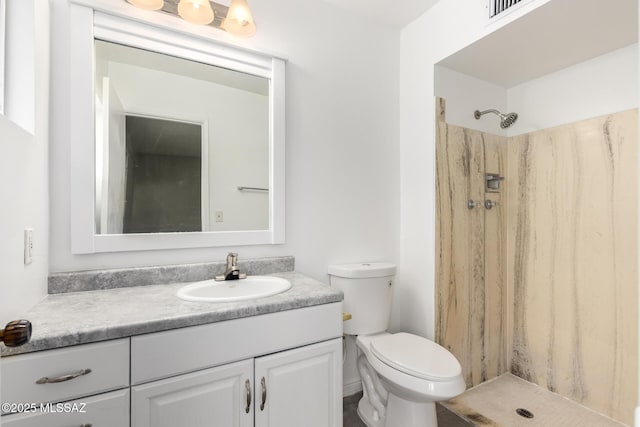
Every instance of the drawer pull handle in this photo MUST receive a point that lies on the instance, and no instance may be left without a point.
(86, 425)
(247, 385)
(63, 378)
(263, 383)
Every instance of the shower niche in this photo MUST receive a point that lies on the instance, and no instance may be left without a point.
(492, 182)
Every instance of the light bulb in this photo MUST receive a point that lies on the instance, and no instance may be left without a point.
(148, 4)
(239, 20)
(196, 11)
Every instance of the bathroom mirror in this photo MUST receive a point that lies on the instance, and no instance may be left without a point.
(177, 139)
(181, 146)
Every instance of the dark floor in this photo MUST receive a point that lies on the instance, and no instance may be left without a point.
(351, 418)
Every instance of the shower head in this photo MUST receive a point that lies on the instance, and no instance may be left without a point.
(506, 120)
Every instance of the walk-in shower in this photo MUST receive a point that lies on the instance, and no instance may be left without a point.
(518, 287)
(506, 120)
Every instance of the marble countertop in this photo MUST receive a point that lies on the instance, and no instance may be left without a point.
(62, 320)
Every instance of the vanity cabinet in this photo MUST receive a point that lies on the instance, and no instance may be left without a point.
(291, 359)
(299, 387)
(281, 369)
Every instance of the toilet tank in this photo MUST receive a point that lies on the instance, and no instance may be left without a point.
(368, 292)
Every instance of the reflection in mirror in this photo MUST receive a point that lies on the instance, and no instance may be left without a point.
(176, 141)
(163, 188)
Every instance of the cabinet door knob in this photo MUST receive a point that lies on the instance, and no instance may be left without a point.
(247, 386)
(263, 383)
(16, 333)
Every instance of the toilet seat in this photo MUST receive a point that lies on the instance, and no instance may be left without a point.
(415, 356)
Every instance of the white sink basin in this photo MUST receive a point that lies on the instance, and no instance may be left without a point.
(233, 290)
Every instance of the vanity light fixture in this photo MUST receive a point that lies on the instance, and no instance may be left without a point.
(236, 19)
(239, 21)
(196, 11)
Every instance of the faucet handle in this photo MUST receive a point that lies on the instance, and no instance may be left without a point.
(232, 272)
(232, 259)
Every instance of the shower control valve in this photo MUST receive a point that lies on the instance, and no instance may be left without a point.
(472, 204)
(488, 204)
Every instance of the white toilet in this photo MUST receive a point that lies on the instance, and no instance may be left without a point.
(403, 375)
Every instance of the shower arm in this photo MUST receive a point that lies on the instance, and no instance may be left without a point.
(477, 114)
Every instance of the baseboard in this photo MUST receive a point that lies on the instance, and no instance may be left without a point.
(351, 388)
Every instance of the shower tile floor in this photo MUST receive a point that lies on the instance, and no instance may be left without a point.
(351, 418)
(493, 404)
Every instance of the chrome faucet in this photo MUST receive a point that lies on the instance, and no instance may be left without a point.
(232, 272)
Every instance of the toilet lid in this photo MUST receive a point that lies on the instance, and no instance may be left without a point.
(416, 356)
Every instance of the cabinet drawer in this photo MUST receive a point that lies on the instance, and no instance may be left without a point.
(103, 410)
(108, 362)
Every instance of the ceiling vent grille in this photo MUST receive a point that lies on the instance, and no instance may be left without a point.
(499, 6)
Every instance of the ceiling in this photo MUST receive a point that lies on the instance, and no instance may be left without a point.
(554, 36)
(394, 13)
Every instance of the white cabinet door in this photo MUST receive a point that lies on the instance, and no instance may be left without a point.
(103, 410)
(300, 387)
(215, 397)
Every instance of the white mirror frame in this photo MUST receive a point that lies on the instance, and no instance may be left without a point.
(121, 23)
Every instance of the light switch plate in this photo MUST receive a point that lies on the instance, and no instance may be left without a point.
(28, 246)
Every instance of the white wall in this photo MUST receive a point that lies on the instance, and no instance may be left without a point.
(603, 85)
(592, 88)
(20, 63)
(440, 32)
(465, 94)
(342, 142)
(24, 194)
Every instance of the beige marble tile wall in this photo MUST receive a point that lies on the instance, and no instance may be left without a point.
(470, 251)
(563, 238)
(572, 257)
